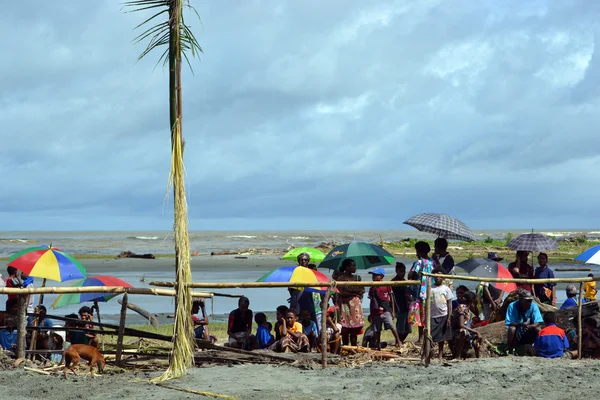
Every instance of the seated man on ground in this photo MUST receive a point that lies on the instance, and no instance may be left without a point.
(464, 337)
(280, 313)
(523, 321)
(264, 339)
(200, 324)
(239, 327)
(551, 342)
(571, 300)
(309, 328)
(292, 338)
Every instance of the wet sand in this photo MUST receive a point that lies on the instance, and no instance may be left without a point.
(498, 378)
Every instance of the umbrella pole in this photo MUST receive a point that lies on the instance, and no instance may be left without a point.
(579, 321)
(324, 305)
(35, 323)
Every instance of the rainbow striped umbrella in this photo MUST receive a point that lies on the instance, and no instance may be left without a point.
(47, 262)
(93, 280)
(294, 273)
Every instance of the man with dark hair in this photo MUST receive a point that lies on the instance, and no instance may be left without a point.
(523, 321)
(441, 257)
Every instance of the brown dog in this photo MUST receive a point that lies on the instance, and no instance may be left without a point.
(75, 352)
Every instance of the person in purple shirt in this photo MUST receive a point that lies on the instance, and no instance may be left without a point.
(571, 300)
(546, 292)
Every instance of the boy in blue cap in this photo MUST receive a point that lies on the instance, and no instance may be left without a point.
(382, 308)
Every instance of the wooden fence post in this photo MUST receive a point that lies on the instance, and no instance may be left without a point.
(426, 357)
(579, 322)
(22, 325)
(121, 330)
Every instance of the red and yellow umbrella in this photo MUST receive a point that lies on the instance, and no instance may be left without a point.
(47, 262)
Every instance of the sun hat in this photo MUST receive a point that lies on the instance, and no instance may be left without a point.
(378, 271)
(492, 255)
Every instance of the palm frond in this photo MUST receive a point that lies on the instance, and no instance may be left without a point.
(159, 33)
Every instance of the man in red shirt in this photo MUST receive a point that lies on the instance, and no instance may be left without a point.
(382, 308)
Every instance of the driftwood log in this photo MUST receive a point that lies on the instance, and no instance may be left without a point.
(565, 319)
(152, 318)
(225, 253)
(130, 254)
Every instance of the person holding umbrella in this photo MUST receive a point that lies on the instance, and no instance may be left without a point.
(520, 268)
(349, 302)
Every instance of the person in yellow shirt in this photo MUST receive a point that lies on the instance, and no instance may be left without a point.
(590, 290)
(292, 338)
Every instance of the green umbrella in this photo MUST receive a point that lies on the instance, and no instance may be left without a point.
(316, 255)
(365, 255)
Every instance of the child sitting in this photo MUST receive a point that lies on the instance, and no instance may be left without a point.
(281, 311)
(590, 343)
(551, 342)
(239, 327)
(463, 333)
(368, 339)
(263, 332)
(292, 338)
(334, 331)
(309, 328)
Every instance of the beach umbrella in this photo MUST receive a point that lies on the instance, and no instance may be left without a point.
(47, 262)
(442, 225)
(486, 268)
(294, 273)
(590, 256)
(532, 242)
(365, 255)
(92, 280)
(316, 255)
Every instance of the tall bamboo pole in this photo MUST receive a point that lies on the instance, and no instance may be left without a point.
(121, 329)
(579, 322)
(426, 357)
(21, 325)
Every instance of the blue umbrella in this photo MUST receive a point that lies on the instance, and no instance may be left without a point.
(590, 256)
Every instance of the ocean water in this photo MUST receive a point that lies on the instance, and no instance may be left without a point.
(161, 242)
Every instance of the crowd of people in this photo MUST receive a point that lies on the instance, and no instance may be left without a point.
(455, 313)
(77, 328)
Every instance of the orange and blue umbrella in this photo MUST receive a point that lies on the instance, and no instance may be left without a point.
(47, 262)
(94, 280)
(294, 273)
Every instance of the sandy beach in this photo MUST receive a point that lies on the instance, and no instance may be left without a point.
(497, 378)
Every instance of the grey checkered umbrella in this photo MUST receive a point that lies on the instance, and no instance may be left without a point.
(532, 242)
(442, 225)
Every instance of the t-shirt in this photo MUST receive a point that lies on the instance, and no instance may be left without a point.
(46, 323)
(439, 300)
(400, 294)
(570, 302)
(446, 263)
(590, 290)
(543, 273)
(297, 328)
(515, 315)
(381, 297)
(551, 342)
(264, 337)
(311, 327)
(239, 322)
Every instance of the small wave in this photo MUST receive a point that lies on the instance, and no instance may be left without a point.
(300, 237)
(242, 237)
(143, 237)
(16, 240)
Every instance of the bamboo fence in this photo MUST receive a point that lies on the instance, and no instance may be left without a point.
(229, 285)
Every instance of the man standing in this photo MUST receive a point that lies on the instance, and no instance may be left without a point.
(523, 321)
(546, 292)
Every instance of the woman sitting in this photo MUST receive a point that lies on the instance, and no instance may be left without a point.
(292, 338)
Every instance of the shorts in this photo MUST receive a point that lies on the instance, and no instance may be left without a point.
(526, 337)
(199, 332)
(330, 331)
(384, 320)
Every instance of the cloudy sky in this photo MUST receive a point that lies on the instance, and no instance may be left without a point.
(305, 114)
